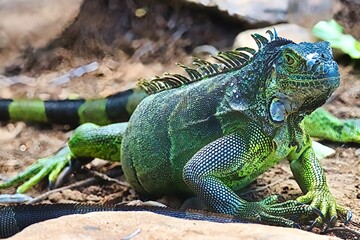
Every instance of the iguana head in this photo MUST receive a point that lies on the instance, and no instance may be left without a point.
(304, 75)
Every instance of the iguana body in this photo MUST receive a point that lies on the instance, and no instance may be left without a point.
(216, 131)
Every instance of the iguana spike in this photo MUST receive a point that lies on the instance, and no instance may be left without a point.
(226, 58)
(273, 35)
(147, 85)
(226, 61)
(223, 61)
(199, 62)
(239, 57)
(234, 58)
(218, 66)
(203, 65)
(242, 55)
(207, 67)
(260, 40)
(181, 78)
(173, 79)
(193, 73)
(246, 49)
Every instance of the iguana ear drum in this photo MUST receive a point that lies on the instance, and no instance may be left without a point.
(277, 110)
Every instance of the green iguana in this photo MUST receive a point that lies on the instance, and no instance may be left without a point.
(211, 133)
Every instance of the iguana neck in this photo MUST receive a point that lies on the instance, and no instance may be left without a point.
(262, 101)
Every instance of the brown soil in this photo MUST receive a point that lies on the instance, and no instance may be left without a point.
(143, 47)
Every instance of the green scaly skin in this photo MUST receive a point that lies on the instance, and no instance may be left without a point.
(218, 133)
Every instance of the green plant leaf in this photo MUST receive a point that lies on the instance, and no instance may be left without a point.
(332, 32)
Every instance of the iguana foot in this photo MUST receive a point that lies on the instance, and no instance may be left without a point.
(50, 166)
(87, 142)
(270, 211)
(326, 203)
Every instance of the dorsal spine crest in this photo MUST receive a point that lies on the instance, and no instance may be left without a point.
(226, 61)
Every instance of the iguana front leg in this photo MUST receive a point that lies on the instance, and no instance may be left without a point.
(87, 142)
(311, 178)
(232, 162)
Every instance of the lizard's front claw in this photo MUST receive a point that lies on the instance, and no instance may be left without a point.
(279, 214)
(326, 203)
(51, 166)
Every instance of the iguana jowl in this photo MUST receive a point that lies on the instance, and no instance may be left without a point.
(214, 132)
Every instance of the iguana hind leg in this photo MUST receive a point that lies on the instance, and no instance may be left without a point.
(88, 141)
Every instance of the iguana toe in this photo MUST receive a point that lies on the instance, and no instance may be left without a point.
(280, 214)
(43, 167)
(325, 202)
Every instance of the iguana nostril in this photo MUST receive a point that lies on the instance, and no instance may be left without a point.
(315, 65)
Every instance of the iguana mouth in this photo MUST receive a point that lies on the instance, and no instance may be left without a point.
(304, 81)
(326, 74)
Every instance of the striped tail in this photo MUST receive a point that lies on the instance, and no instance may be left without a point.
(114, 108)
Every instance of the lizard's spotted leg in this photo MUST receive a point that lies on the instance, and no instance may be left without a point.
(87, 142)
(312, 181)
(217, 169)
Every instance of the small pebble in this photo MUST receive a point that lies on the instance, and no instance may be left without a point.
(93, 198)
(55, 197)
(357, 152)
(73, 195)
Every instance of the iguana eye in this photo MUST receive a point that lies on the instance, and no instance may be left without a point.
(289, 59)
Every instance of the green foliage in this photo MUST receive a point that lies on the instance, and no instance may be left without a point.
(332, 32)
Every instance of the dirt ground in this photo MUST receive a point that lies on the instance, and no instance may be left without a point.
(123, 62)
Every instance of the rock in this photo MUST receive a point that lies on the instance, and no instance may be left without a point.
(322, 151)
(73, 195)
(259, 13)
(146, 225)
(252, 12)
(55, 197)
(307, 13)
(357, 152)
(33, 23)
(290, 31)
(347, 14)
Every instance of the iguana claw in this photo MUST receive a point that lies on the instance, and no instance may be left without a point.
(59, 178)
(312, 225)
(279, 214)
(325, 203)
(51, 166)
(348, 216)
(330, 223)
(296, 225)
